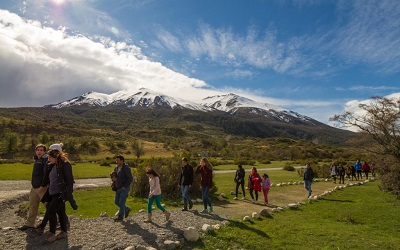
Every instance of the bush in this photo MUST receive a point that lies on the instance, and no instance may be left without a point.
(288, 168)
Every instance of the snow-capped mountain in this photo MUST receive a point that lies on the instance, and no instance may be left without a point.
(142, 98)
(229, 103)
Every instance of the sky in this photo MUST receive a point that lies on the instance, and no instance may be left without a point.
(315, 57)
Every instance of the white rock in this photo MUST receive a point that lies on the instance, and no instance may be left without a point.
(199, 200)
(293, 206)
(206, 227)
(255, 215)
(223, 195)
(278, 185)
(225, 222)
(247, 218)
(264, 212)
(232, 193)
(130, 248)
(142, 211)
(216, 226)
(191, 234)
(103, 214)
(170, 244)
(220, 198)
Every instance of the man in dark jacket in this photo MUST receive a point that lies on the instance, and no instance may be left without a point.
(36, 193)
(124, 179)
(239, 180)
(308, 179)
(185, 183)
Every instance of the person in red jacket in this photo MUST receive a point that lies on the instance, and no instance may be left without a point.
(254, 183)
(365, 167)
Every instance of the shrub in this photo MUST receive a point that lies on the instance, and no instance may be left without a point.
(288, 168)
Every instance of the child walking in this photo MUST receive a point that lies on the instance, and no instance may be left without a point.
(155, 194)
(266, 184)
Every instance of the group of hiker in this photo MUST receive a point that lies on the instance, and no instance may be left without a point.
(355, 172)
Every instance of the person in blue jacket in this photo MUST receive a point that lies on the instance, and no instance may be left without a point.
(358, 169)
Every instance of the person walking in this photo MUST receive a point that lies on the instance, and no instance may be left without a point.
(123, 178)
(349, 171)
(308, 177)
(358, 169)
(154, 194)
(205, 170)
(59, 178)
(185, 183)
(366, 168)
(341, 172)
(266, 184)
(334, 171)
(239, 180)
(36, 193)
(254, 184)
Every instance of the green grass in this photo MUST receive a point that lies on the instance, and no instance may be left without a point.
(20, 171)
(354, 218)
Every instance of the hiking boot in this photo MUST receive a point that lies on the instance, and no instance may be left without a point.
(184, 209)
(235, 198)
(50, 237)
(190, 204)
(24, 228)
(211, 209)
(119, 218)
(127, 211)
(61, 235)
(148, 219)
(38, 231)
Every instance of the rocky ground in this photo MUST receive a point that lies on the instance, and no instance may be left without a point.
(103, 232)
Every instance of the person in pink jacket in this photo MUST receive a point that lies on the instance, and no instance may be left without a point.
(266, 184)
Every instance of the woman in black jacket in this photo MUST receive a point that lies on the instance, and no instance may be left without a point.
(239, 180)
(60, 180)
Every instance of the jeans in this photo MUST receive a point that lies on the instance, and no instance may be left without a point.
(359, 174)
(120, 200)
(307, 186)
(158, 203)
(185, 195)
(205, 190)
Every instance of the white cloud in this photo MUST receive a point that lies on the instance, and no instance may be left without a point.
(43, 65)
(367, 88)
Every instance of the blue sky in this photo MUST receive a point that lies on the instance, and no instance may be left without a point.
(313, 57)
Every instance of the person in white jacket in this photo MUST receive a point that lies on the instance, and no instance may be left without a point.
(155, 194)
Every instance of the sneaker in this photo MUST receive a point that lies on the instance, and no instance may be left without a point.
(211, 209)
(190, 205)
(127, 211)
(61, 235)
(50, 238)
(24, 228)
(235, 198)
(204, 211)
(253, 201)
(243, 198)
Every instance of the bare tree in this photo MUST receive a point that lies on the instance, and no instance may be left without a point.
(380, 119)
(138, 147)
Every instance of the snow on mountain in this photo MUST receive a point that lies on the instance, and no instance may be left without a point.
(229, 103)
(233, 103)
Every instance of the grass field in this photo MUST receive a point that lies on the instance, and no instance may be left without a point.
(354, 218)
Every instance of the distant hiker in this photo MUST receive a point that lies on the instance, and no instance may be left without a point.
(358, 168)
(60, 179)
(205, 170)
(254, 183)
(334, 171)
(154, 194)
(366, 168)
(266, 184)
(308, 177)
(185, 183)
(373, 169)
(349, 171)
(36, 193)
(239, 180)
(341, 171)
(123, 180)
